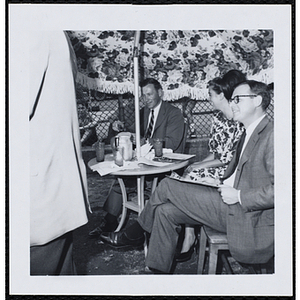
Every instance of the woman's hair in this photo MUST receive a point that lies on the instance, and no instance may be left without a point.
(231, 79)
(216, 84)
(227, 83)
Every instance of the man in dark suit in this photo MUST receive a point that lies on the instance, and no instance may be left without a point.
(167, 123)
(242, 206)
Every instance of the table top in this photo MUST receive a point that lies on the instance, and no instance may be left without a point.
(144, 169)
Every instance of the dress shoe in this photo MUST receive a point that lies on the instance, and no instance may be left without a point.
(95, 232)
(104, 227)
(119, 240)
(185, 256)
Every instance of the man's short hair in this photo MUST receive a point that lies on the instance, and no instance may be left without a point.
(259, 88)
(153, 81)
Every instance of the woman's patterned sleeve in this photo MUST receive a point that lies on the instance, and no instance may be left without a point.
(233, 133)
(212, 142)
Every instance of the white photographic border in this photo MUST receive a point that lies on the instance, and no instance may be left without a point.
(24, 18)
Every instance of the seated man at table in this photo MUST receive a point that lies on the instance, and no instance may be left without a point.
(159, 119)
(242, 206)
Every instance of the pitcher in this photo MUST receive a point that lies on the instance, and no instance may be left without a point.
(125, 143)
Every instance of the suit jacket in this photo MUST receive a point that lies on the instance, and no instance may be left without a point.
(169, 125)
(58, 185)
(250, 226)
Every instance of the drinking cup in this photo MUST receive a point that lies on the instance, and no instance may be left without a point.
(118, 156)
(158, 147)
(100, 147)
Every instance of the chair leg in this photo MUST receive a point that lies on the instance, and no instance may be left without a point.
(258, 269)
(263, 270)
(213, 259)
(202, 249)
(226, 264)
(154, 184)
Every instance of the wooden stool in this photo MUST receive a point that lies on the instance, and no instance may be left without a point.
(216, 241)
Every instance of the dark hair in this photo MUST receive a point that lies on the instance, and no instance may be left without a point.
(231, 79)
(217, 84)
(153, 81)
(259, 88)
(227, 83)
(271, 87)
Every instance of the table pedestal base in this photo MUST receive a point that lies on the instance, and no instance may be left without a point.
(140, 181)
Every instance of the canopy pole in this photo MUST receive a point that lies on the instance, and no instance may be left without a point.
(136, 92)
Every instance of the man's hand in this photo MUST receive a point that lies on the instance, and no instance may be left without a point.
(118, 126)
(143, 141)
(133, 139)
(228, 194)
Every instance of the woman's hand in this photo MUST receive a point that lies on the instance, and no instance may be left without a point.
(196, 165)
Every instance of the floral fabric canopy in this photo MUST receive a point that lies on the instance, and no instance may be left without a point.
(183, 61)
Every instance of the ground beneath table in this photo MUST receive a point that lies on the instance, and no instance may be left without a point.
(94, 258)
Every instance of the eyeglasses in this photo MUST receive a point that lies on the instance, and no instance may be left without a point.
(236, 99)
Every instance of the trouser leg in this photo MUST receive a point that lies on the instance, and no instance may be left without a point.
(114, 201)
(201, 203)
(53, 258)
(164, 236)
(175, 203)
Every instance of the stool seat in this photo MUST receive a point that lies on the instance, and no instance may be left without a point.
(215, 236)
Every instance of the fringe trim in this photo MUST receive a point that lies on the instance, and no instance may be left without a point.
(109, 87)
(114, 87)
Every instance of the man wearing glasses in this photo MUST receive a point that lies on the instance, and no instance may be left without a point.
(241, 206)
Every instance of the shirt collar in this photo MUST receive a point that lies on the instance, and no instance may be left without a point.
(157, 108)
(253, 125)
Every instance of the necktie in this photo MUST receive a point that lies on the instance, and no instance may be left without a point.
(237, 154)
(150, 126)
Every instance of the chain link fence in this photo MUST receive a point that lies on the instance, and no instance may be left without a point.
(96, 111)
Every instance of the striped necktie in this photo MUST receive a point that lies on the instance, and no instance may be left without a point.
(150, 126)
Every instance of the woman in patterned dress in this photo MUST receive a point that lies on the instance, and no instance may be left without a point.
(224, 136)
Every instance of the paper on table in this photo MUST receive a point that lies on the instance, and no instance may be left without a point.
(144, 160)
(107, 167)
(145, 149)
(178, 156)
(151, 154)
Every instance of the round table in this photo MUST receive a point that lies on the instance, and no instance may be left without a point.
(140, 173)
